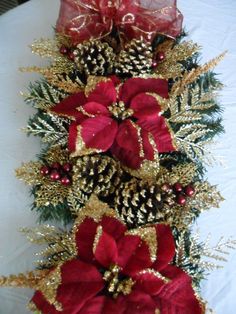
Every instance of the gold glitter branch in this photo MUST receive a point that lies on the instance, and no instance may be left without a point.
(171, 66)
(189, 77)
(30, 173)
(28, 280)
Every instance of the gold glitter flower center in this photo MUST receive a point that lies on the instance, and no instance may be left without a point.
(119, 111)
(115, 285)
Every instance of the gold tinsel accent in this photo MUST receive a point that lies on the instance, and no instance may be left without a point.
(116, 286)
(156, 274)
(171, 67)
(95, 209)
(49, 286)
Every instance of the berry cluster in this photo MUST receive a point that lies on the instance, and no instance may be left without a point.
(160, 56)
(58, 172)
(67, 52)
(181, 193)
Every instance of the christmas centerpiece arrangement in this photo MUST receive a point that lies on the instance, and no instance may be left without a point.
(126, 113)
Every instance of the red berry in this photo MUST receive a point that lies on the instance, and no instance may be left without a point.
(55, 175)
(154, 64)
(71, 56)
(178, 187)
(64, 50)
(56, 165)
(189, 190)
(67, 167)
(65, 180)
(45, 171)
(160, 56)
(181, 200)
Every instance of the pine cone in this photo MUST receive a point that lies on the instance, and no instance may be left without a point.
(96, 174)
(140, 203)
(95, 57)
(135, 59)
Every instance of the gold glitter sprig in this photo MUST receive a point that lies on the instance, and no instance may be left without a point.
(171, 66)
(190, 77)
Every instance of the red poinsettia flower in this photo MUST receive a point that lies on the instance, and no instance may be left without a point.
(121, 272)
(83, 20)
(125, 119)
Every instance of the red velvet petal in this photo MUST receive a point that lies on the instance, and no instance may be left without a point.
(127, 137)
(72, 137)
(166, 246)
(42, 304)
(93, 306)
(126, 248)
(85, 238)
(113, 227)
(67, 107)
(99, 133)
(127, 158)
(96, 109)
(80, 283)
(178, 296)
(133, 255)
(139, 302)
(162, 135)
(148, 283)
(104, 305)
(144, 106)
(105, 252)
(104, 93)
(135, 86)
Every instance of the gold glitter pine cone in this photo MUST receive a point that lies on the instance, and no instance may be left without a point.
(94, 57)
(96, 174)
(135, 59)
(140, 203)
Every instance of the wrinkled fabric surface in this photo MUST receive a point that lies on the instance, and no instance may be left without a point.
(210, 23)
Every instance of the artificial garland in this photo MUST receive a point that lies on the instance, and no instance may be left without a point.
(125, 111)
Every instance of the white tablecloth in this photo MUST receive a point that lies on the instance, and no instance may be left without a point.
(210, 23)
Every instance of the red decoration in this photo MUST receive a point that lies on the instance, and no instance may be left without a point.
(126, 120)
(181, 200)
(178, 187)
(55, 175)
(45, 171)
(71, 56)
(67, 167)
(189, 190)
(65, 180)
(154, 63)
(160, 56)
(64, 50)
(87, 19)
(56, 165)
(156, 286)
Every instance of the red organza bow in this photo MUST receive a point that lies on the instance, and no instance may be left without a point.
(86, 19)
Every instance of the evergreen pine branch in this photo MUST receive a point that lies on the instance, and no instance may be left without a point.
(51, 128)
(43, 96)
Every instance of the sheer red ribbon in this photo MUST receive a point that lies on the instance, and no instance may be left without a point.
(86, 19)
